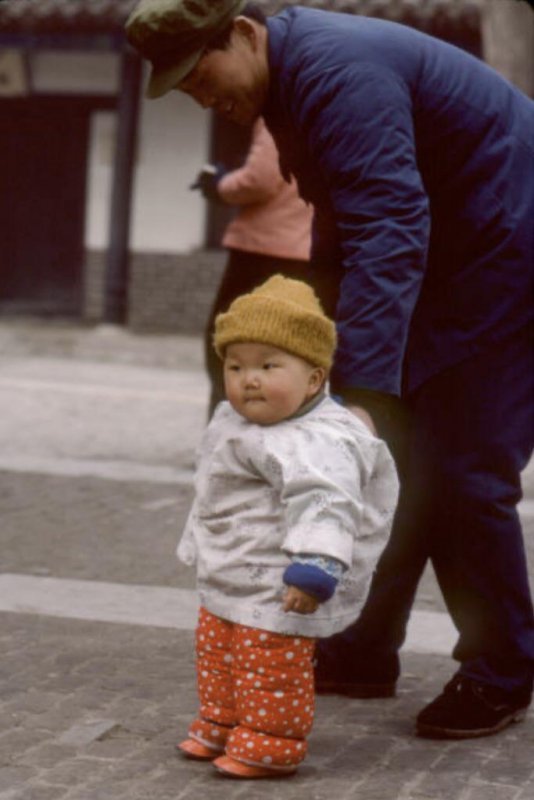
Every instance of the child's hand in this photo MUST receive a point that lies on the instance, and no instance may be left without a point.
(299, 601)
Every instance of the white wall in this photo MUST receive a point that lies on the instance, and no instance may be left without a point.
(173, 145)
(68, 72)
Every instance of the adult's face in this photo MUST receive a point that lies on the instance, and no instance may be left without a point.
(234, 81)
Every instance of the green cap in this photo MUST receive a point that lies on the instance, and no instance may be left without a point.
(172, 35)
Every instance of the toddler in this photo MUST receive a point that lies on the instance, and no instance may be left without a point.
(294, 499)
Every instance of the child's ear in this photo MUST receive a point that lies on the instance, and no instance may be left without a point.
(317, 379)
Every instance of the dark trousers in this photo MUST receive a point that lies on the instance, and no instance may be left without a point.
(243, 272)
(465, 436)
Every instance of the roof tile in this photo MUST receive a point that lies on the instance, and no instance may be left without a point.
(104, 16)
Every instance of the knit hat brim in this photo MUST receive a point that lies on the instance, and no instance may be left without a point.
(291, 320)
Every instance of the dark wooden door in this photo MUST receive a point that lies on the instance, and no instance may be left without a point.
(43, 168)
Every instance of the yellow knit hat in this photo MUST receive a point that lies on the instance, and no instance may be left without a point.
(283, 312)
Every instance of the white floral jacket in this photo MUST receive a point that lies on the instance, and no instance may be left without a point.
(319, 483)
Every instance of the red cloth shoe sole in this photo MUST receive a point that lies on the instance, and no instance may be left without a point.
(198, 751)
(236, 769)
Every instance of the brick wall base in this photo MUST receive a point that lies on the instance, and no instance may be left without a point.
(167, 293)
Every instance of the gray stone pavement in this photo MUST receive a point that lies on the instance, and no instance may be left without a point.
(97, 432)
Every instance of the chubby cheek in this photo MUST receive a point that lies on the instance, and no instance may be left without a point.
(283, 398)
(230, 387)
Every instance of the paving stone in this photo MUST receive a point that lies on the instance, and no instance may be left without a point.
(353, 746)
(113, 749)
(16, 741)
(46, 755)
(57, 673)
(492, 792)
(28, 792)
(12, 776)
(104, 793)
(526, 792)
(86, 731)
(509, 768)
(75, 772)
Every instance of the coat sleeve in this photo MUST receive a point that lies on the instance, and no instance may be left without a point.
(358, 123)
(318, 476)
(259, 179)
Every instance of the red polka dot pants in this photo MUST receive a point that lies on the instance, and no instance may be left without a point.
(256, 692)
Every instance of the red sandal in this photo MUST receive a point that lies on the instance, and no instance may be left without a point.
(193, 749)
(232, 768)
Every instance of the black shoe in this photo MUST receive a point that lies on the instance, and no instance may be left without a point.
(365, 686)
(467, 709)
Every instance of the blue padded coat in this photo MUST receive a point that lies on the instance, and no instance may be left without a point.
(419, 161)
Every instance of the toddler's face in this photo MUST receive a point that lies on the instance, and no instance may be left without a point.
(265, 384)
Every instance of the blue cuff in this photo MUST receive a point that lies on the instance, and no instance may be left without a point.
(338, 399)
(310, 579)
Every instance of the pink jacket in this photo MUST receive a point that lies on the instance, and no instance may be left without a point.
(272, 219)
